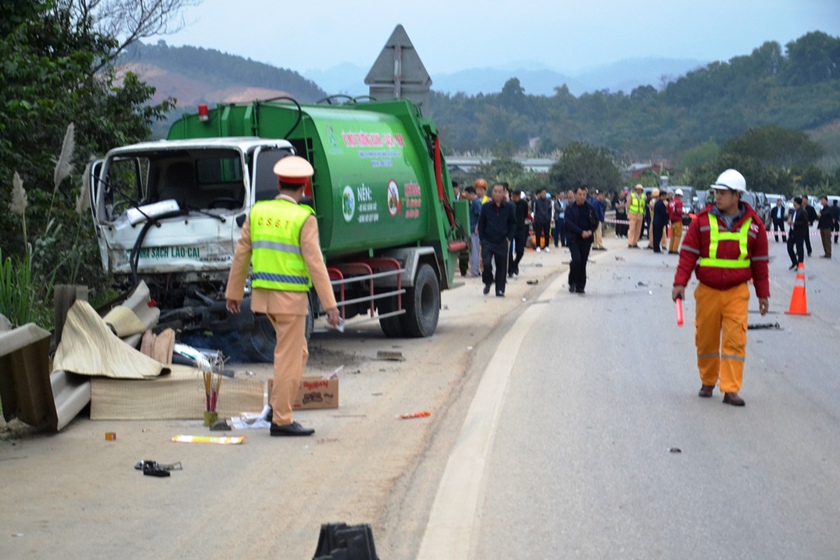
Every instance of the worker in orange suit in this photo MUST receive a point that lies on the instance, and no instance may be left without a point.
(280, 236)
(726, 247)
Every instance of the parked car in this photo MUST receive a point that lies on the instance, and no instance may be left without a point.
(762, 207)
(758, 202)
(703, 199)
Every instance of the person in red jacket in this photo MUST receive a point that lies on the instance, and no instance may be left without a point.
(675, 215)
(726, 247)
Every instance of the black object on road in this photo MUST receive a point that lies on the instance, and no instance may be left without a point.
(153, 468)
(339, 541)
(769, 326)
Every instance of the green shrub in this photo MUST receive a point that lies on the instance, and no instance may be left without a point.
(17, 294)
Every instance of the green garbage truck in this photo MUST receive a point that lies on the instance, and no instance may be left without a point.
(169, 212)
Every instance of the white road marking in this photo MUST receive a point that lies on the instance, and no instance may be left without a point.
(453, 521)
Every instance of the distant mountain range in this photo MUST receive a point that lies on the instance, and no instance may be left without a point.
(194, 74)
(624, 75)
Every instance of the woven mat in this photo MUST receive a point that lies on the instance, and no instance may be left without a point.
(176, 396)
(88, 347)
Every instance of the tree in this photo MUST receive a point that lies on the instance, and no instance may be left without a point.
(813, 58)
(56, 71)
(125, 21)
(774, 146)
(513, 96)
(700, 154)
(582, 164)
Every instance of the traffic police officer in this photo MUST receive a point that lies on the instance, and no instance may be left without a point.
(727, 244)
(636, 213)
(281, 238)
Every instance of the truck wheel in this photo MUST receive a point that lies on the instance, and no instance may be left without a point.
(391, 326)
(260, 341)
(422, 304)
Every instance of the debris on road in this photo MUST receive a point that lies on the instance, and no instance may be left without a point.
(768, 326)
(674, 450)
(154, 464)
(389, 356)
(220, 426)
(220, 440)
(532, 282)
(424, 414)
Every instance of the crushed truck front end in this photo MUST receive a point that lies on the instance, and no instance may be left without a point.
(170, 214)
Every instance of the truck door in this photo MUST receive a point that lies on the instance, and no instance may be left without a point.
(93, 170)
(264, 183)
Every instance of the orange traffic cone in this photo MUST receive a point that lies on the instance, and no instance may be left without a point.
(799, 300)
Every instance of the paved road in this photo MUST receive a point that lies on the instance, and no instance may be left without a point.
(556, 447)
(565, 452)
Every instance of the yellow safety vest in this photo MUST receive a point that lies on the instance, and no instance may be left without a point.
(716, 236)
(275, 244)
(637, 204)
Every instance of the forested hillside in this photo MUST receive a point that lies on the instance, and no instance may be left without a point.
(796, 87)
(221, 70)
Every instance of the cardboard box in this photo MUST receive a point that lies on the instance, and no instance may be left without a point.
(314, 393)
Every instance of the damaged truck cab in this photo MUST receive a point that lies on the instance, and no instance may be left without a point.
(170, 212)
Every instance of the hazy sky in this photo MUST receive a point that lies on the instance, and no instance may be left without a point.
(451, 35)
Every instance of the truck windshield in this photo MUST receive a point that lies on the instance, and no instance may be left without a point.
(196, 179)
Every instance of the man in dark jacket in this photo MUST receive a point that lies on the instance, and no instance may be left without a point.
(517, 248)
(496, 228)
(620, 206)
(798, 233)
(778, 217)
(825, 225)
(581, 221)
(542, 219)
(835, 212)
(812, 217)
(660, 220)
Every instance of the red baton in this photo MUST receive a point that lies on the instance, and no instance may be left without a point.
(679, 312)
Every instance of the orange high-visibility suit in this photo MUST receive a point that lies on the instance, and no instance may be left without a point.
(724, 260)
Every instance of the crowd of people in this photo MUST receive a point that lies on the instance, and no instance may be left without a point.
(503, 225)
(726, 247)
(521, 220)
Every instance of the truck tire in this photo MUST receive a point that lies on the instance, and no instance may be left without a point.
(260, 341)
(391, 326)
(422, 304)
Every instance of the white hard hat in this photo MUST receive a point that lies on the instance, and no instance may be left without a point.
(730, 180)
(678, 192)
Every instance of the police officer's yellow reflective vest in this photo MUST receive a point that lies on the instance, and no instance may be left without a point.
(637, 204)
(715, 236)
(275, 246)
